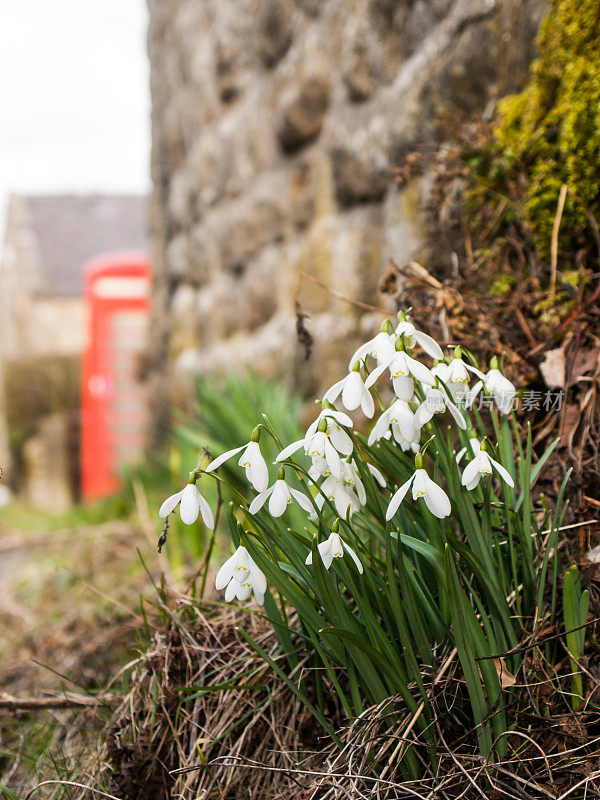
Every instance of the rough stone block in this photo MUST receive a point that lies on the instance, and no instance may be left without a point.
(355, 180)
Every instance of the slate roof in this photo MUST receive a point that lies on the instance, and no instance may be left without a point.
(71, 229)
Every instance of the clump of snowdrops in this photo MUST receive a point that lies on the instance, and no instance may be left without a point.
(420, 542)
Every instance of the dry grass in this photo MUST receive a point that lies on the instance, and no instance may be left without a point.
(205, 717)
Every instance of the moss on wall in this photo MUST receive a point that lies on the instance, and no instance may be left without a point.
(551, 131)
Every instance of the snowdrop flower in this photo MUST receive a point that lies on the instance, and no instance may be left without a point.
(341, 494)
(412, 336)
(280, 495)
(475, 447)
(482, 465)
(241, 576)
(251, 459)
(435, 497)
(336, 421)
(191, 504)
(403, 369)
(334, 548)
(380, 347)
(436, 402)
(319, 468)
(499, 387)
(400, 420)
(354, 393)
(325, 439)
(457, 378)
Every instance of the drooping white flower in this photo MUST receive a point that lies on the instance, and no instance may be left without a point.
(334, 547)
(354, 393)
(279, 495)
(341, 494)
(191, 505)
(380, 347)
(400, 419)
(336, 422)
(423, 486)
(501, 389)
(325, 439)
(319, 468)
(251, 459)
(403, 369)
(241, 576)
(481, 465)
(437, 401)
(497, 385)
(412, 336)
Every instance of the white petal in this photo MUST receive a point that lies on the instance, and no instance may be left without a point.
(206, 512)
(190, 504)
(503, 472)
(470, 471)
(380, 427)
(419, 487)
(259, 582)
(474, 483)
(333, 392)
(401, 413)
(377, 475)
(354, 557)
(341, 441)
(437, 500)
(338, 416)
(460, 454)
(472, 394)
(404, 388)
(258, 472)
(360, 490)
(367, 404)
(278, 502)
(326, 552)
(333, 459)
(169, 504)
(375, 375)
(429, 344)
(225, 574)
(398, 497)
(223, 457)
(458, 417)
(352, 392)
(424, 413)
(291, 448)
(361, 353)
(309, 558)
(475, 371)
(230, 591)
(301, 499)
(422, 373)
(260, 500)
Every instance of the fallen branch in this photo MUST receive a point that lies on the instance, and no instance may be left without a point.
(54, 701)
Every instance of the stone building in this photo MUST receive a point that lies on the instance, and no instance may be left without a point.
(48, 241)
(277, 125)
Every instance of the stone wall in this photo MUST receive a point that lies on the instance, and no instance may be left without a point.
(276, 128)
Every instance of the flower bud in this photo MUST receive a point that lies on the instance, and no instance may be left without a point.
(256, 434)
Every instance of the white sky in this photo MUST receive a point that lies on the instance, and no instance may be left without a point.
(74, 98)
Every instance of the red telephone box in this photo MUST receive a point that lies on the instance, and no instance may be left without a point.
(114, 401)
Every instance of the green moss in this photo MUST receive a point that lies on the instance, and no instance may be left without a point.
(551, 131)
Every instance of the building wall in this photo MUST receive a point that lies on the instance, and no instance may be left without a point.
(276, 128)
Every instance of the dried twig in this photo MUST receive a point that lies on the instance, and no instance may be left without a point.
(554, 241)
